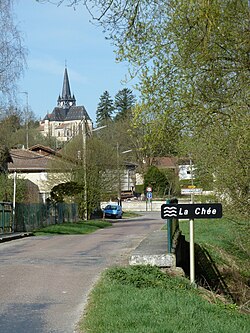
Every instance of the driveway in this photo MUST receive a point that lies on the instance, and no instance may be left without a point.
(45, 280)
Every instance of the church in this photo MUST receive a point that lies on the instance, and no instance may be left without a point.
(67, 119)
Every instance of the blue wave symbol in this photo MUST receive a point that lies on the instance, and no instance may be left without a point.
(170, 211)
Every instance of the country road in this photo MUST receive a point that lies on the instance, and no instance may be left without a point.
(45, 280)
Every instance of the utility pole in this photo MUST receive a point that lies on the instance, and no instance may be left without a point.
(26, 117)
(84, 164)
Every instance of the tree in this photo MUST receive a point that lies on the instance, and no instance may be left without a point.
(12, 52)
(193, 61)
(97, 168)
(14, 130)
(5, 158)
(157, 179)
(105, 109)
(124, 101)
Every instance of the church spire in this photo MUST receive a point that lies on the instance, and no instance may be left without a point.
(66, 100)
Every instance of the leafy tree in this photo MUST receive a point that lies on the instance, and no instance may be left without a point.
(157, 179)
(105, 109)
(193, 60)
(14, 130)
(5, 158)
(124, 101)
(12, 52)
(97, 168)
(65, 190)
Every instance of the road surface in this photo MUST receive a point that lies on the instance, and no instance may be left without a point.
(45, 280)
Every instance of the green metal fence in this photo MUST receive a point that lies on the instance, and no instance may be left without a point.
(6, 217)
(32, 216)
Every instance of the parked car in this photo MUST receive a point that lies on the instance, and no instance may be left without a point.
(112, 210)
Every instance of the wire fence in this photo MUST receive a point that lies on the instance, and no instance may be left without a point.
(29, 217)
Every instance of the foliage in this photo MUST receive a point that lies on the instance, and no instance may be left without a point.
(5, 158)
(12, 52)
(105, 109)
(143, 277)
(157, 179)
(7, 187)
(194, 63)
(15, 131)
(173, 181)
(69, 189)
(124, 101)
(101, 160)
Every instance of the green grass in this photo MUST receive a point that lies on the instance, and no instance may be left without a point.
(225, 239)
(228, 244)
(142, 299)
(128, 214)
(73, 228)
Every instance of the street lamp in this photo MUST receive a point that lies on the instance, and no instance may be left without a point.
(26, 118)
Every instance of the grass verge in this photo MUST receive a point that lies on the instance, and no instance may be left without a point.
(228, 244)
(142, 299)
(129, 214)
(73, 228)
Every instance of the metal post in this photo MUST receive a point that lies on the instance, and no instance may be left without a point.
(14, 202)
(191, 234)
(192, 256)
(27, 117)
(169, 230)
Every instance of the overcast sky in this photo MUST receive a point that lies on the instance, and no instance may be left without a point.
(55, 35)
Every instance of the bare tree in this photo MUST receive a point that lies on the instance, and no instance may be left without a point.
(12, 51)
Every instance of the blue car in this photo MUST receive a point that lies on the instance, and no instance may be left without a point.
(113, 211)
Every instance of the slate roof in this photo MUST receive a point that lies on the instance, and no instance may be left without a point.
(77, 113)
(72, 113)
(66, 109)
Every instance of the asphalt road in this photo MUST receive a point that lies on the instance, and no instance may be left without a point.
(45, 281)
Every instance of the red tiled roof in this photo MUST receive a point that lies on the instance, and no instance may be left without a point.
(165, 162)
(26, 160)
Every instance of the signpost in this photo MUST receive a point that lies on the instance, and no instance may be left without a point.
(188, 191)
(191, 211)
(149, 197)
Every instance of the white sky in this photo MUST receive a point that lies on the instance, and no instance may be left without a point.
(54, 35)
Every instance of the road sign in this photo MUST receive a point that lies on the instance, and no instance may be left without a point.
(191, 211)
(191, 190)
(149, 189)
(149, 195)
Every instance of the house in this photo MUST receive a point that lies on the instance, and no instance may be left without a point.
(182, 166)
(67, 119)
(186, 169)
(165, 162)
(34, 165)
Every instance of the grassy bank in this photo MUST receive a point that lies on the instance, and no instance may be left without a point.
(84, 227)
(228, 245)
(146, 300)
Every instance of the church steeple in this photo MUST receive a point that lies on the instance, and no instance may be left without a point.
(66, 100)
